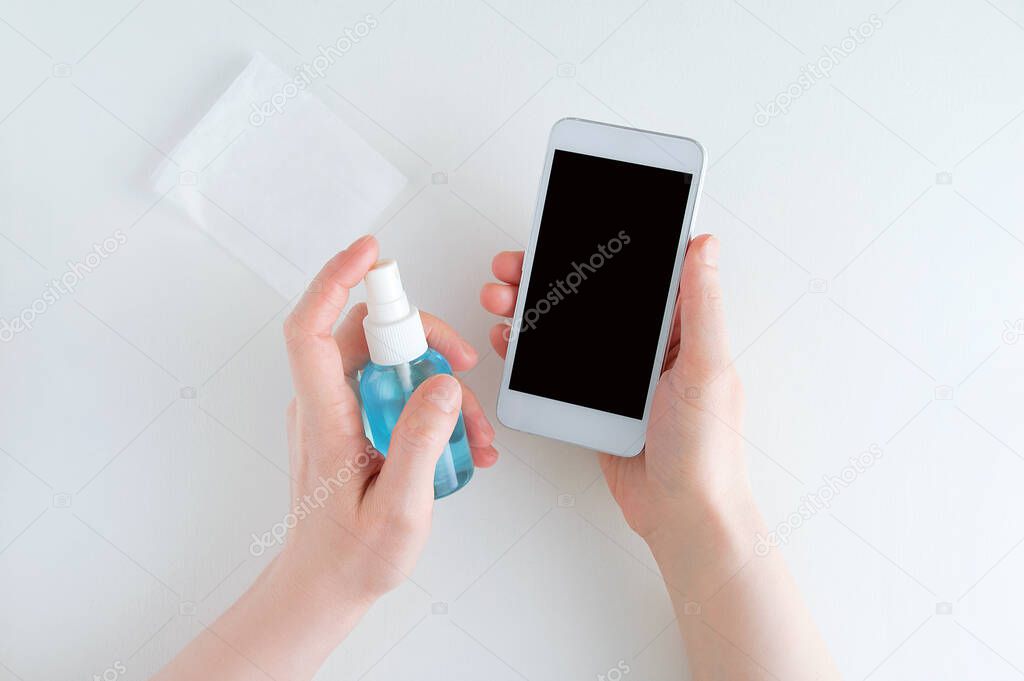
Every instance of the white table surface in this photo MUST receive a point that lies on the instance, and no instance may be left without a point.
(861, 286)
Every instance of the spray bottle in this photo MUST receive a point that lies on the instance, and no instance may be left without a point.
(399, 361)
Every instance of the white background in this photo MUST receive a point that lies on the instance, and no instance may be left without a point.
(860, 286)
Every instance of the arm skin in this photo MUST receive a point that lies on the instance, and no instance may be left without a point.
(752, 622)
(741, 616)
(279, 629)
(366, 536)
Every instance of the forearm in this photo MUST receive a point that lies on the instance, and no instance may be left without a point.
(281, 628)
(740, 614)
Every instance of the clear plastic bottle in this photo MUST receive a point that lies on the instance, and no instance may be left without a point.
(400, 361)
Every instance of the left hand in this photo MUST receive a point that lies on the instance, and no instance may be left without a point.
(693, 464)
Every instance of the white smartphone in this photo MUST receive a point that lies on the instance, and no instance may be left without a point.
(600, 277)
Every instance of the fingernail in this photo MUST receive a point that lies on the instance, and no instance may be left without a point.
(445, 394)
(710, 252)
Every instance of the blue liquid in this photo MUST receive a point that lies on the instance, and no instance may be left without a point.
(386, 389)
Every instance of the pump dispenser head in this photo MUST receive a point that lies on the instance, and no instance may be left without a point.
(394, 332)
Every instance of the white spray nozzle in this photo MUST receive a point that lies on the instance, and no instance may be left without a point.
(394, 332)
(385, 298)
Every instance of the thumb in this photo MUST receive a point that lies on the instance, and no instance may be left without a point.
(422, 432)
(704, 343)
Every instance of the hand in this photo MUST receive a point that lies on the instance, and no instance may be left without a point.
(693, 459)
(375, 518)
(358, 522)
(688, 494)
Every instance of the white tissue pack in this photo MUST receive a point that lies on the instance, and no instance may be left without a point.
(277, 178)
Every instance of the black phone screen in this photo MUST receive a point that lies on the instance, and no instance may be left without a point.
(609, 235)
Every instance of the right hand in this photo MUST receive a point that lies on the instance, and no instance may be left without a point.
(364, 537)
(693, 462)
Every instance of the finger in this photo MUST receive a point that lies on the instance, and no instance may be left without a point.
(673, 339)
(484, 457)
(459, 353)
(499, 299)
(508, 266)
(419, 437)
(446, 340)
(499, 336)
(704, 345)
(351, 340)
(479, 430)
(355, 354)
(317, 370)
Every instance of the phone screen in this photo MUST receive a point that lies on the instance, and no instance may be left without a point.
(608, 239)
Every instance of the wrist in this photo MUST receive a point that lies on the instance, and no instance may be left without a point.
(697, 548)
(324, 611)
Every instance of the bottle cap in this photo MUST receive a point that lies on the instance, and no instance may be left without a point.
(394, 332)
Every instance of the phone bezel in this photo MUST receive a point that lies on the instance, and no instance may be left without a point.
(604, 431)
